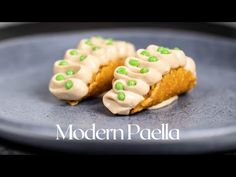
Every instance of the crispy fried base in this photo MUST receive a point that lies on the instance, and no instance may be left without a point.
(102, 80)
(176, 82)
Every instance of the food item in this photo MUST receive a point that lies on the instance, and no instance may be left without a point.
(88, 70)
(154, 75)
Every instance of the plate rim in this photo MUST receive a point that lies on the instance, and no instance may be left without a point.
(34, 28)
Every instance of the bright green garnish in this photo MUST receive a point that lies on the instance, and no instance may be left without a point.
(60, 77)
(74, 52)
(160, 49)
(144, 70)
(166, 51)
(96, 48)
(163, 50)
(152, 59)
(134, 62)
(109, 41)
(122, 71)
(121, 96)
(131, 82)
(145, 53)
(70, 72)
(89, 42)
(119, 86)
(176, 48)
(98, 37)
(82, 57)
(63, 63)
(69, 84)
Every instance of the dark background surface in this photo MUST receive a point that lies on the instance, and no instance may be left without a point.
(6, 148)
(9, 148)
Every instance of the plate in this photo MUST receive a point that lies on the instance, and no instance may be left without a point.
(205, 117)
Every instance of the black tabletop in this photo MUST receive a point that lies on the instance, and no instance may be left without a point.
(7, 148)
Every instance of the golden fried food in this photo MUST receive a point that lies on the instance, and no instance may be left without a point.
(151, 77)
(176, 82)
(88, 70)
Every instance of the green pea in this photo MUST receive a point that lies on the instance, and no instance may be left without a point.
(144, 70)
(131, 82)
(89, 42)
(96, 48)
(122, 71)
(145, 53)
(160, 49)
(109, 41)
(134, 62)
(98, 37)
(70, 72)
(74, 52)
(82, 57)
(119, 86)
(69, 84)
(176, 48)
(152, 59)
(60, 77)
(63, 63)
(121, 96)
(163, 50)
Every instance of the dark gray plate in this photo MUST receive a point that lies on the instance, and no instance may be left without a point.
(206, 117)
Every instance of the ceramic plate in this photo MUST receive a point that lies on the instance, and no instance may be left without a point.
(205, 117)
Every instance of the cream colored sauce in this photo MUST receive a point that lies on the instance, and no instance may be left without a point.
(164, 103)
(85, 68)
(121, 107)
(135, 94)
